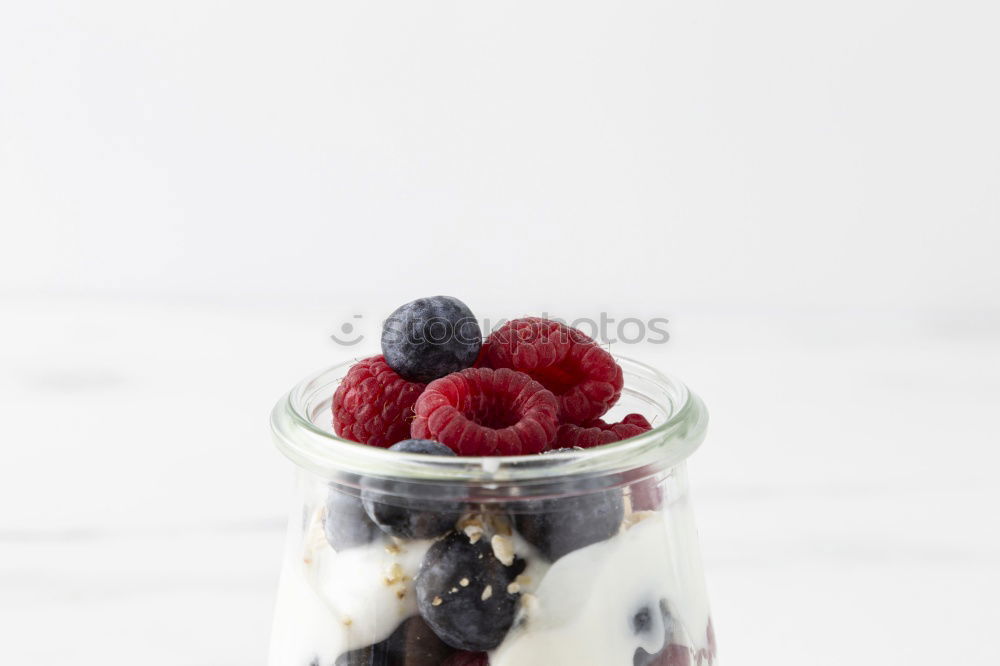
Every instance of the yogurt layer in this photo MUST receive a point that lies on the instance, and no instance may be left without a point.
(582, 610)
(331, 602)
(576, 611)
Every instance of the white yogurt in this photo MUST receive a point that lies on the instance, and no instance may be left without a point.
(331, 602)
(581, 611)
(575, 611)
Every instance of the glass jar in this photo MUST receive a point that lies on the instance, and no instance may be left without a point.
(578, 557)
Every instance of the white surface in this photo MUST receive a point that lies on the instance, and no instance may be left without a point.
(194, 196)
(762, 153)
(845, 496)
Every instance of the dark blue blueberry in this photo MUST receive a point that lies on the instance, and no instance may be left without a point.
(645, 622)
(430, 338)
(642, 620)
(401, 514)
(425, 446)
(346, 524)
(462, 593)
(559, 526)
(413, 643)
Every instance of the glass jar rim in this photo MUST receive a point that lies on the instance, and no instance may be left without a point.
(324, 453)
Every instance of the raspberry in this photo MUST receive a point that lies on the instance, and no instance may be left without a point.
(647, 495)
(637, 420)
(673, 655)
(467, 659)
(373, 405)
(596, 432)
(710, 651)
(483, 360)
(482, 412)
(583, 376)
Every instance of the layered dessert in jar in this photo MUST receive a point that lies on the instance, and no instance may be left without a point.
(518, 500)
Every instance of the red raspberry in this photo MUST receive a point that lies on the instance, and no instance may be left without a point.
(673, 655)
(373, 405)
(596, 432)
(708, 653)
(483, 360)
(482, 412)
(647, 495)
(467, 659)
(584, 377)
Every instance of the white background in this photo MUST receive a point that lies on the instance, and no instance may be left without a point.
(195, 195)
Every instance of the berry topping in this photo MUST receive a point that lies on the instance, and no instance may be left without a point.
(637, 421)
(422, 446)
(373, 405)
(410, 517)
(596, 432)
(346, 524)
(468, 659)
(463, 593)
(582, 375)
(559, 526)
(482, 412)
(411, 644)
(430, 338)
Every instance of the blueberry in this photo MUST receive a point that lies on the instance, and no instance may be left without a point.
(430, 338)
(413, 643)
(559, 526)
(644, 622)
(462, 593)
(424, 446)
(346, 524)
(403, 515)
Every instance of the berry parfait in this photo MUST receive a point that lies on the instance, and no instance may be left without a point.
(515, 501)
